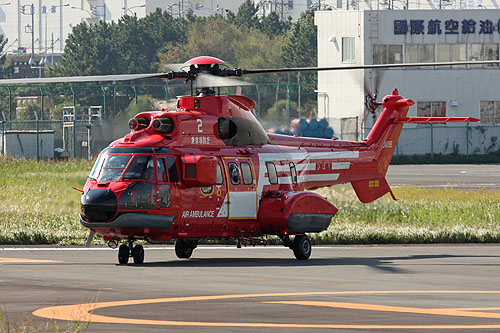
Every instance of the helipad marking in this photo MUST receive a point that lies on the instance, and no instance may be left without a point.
(83, 312)
(23, 260)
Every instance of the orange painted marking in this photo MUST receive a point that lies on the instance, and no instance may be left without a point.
(84, 312)
(388, 308)
(23, 260)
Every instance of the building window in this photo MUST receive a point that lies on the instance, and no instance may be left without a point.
(394, 54)
(387, 54)
(419, 53)
(489, 112)
(348, 49)
(290, 4)
(482, 52)
(339, 4)
(431, 109)
(451, 52)
(379, 54)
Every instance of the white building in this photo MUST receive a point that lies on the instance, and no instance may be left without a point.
(409, 36)
(43, 25)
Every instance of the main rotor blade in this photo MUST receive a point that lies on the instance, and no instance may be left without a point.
(351, 67)
(204, 80)
(69, 79)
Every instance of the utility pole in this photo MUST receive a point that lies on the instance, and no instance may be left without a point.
(32, 29)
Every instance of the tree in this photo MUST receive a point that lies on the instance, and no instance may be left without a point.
(129, 46)
(273, 26)
(213, 37)
(246, 18)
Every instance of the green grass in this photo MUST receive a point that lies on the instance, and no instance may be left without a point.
(37, 203)
(38, 206)
(419, 216)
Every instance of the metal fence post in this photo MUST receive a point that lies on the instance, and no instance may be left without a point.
(37, 136)
(104, 102)
(10, 103)
(432, 141)
(467, 139)
(41, 103)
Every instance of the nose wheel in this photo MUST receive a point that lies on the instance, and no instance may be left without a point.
(126, 251)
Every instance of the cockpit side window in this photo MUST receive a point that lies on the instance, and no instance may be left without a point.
(162, 170)
(172, 170)
(141, 167)
(97, 167)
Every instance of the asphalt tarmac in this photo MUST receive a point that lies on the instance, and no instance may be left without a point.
(434, 288)
(341, 288)
(463, 176)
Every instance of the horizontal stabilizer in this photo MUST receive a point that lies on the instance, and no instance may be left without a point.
(430, 120)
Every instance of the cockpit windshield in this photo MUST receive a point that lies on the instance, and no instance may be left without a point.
(112, 167)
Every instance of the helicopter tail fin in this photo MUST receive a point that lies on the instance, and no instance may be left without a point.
(384, 137)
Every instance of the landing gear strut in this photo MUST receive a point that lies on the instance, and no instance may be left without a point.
(184, 248)
(126, 251)
(301, 246)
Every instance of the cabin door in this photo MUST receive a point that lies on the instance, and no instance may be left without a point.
(241, 187)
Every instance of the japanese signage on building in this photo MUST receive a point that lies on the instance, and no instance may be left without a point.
(448, 27)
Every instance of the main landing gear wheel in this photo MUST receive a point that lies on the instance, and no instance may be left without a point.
(138, 254)
(184, 249)
(123, 254)
(302, 247)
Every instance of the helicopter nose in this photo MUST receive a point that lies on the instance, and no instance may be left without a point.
(99, 204)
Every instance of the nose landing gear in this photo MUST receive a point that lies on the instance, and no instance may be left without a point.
(126, 251)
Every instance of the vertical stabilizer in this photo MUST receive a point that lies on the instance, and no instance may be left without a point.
(383, 138)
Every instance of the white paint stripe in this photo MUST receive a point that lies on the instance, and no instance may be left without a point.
(308, 156)
(318, 177)
(298, 167)
(341, 165)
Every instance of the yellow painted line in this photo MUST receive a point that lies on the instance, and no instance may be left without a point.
(389, 308)
(23, 260)
(84, 312)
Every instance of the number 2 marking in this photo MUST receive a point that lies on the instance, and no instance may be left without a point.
(199, 125)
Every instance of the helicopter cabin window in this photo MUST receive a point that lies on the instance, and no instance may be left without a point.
(113, 167)
(293, 173)
(234, 173)
(348, 49)
(272, 173)
(141, 167)
(220, 179)
(247, 173)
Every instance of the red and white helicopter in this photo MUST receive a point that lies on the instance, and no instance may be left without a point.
(209, 170)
